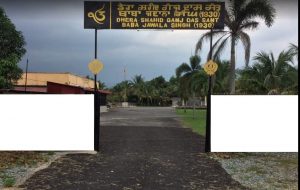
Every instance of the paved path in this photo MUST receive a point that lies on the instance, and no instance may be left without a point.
(141, 148)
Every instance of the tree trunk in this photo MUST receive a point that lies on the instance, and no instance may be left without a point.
(231, 81)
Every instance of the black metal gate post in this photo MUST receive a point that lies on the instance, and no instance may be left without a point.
(208, 106)
(26, 70)
(96, 106)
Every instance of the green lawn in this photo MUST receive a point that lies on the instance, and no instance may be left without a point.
(198, 124)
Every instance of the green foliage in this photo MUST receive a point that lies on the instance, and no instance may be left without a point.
(8, 181)
(156, 92)
(294, 49)
(120, 92)
(186, 74)
(102, 85)
(269, 75)
(12, 49)
(9, 72)
(199, 82)
(11, 41)
(220, 80)
(266, 76)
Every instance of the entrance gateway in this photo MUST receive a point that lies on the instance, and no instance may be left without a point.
(154, 15)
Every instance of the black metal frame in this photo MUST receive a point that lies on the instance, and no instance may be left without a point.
(96, 106)
(208, 105)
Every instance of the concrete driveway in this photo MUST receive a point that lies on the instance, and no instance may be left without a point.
(141, 116)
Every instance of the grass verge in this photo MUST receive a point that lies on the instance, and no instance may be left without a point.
(197, 121)
(20, 158)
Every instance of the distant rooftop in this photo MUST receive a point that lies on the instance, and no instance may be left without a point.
(41, 79)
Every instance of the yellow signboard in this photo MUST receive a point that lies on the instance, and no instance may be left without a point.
(210, 67)
(95, 66)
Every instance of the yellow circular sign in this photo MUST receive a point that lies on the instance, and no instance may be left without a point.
(210, 67)
(95, 66)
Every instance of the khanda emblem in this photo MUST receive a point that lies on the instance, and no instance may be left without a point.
(98, 16)
(210, 67)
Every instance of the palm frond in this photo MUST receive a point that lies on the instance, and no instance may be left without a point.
(258, 8)
(228, 20)
(195, 62)
(216, 45)
(220, 48)
(206, 36)
(244, 37)
(282, 65)
(294, 49)
(249, 25)
(183, 68)
(261, 57)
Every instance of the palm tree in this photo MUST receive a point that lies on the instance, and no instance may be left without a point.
(199, 83)
(185, 73)
(120, 91)
(101, 85)
(239, 16)
(275, 76)
(158, 91)
(138, 84)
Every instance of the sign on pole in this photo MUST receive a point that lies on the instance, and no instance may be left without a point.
(210, 67)
(95, 66)
(153, 15)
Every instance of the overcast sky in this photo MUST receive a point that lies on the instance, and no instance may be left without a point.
(57, 42)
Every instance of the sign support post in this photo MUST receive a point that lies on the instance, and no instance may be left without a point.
(208, 106)
(96, 105)
(210, 68)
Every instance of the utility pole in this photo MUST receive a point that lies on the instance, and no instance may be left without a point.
(125, 94)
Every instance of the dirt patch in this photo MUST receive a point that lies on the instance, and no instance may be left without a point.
(262, 170)
(15, 166)
(15, 158)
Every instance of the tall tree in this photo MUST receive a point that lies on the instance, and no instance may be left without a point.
(185, 72)
(11, 51)
(240, 16)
